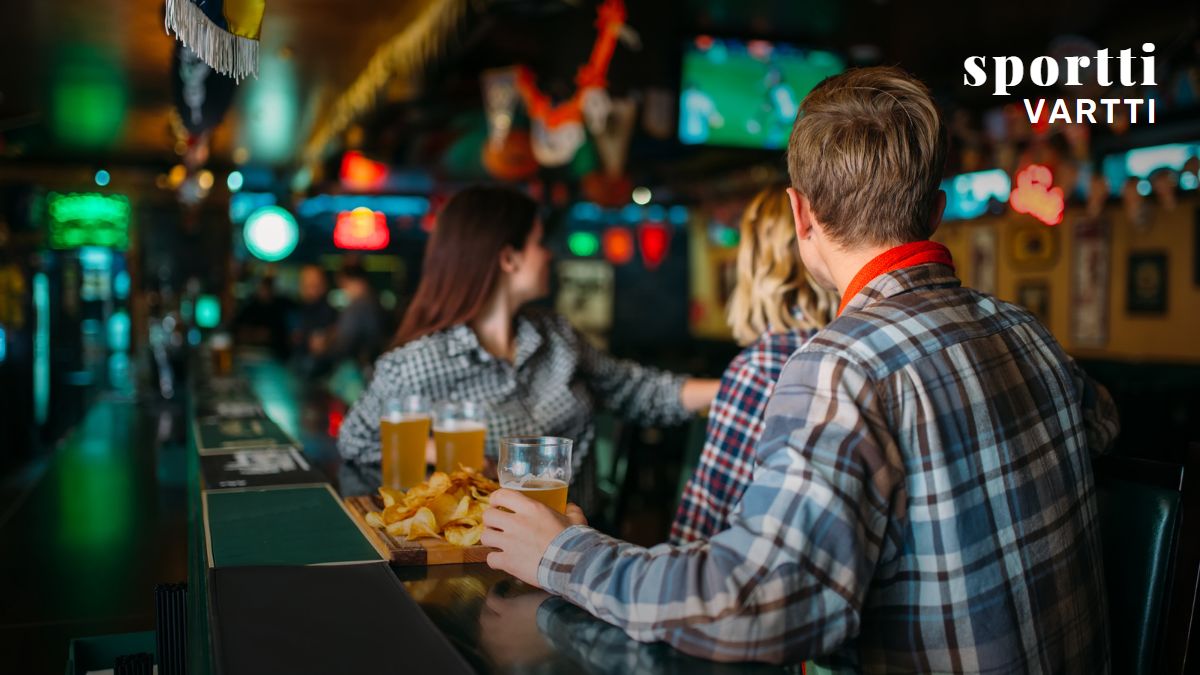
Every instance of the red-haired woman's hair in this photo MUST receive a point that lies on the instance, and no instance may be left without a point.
(462, 260)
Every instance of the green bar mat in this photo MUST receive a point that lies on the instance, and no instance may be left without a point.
(281, 526)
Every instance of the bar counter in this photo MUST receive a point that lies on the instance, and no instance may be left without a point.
(492, 622)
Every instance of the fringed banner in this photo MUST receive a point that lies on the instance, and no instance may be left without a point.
(224, 33)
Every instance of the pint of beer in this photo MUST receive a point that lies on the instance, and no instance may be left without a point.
(221, 346)
(538, 466)
(459, 433)
(403, 433)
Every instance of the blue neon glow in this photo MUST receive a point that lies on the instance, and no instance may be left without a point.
(194, 336)
(632, 213)
(585, 211)
(242, 204)
(102, 178)
(1141, 162)
(968, 194)
(1188, 181)
(677, 215)
(655, 213)
(118, 331)
(389, 205)
(208, 311)
(271, 234)
(235, 181)
(41, 347)
(121, 285)
(3, 344)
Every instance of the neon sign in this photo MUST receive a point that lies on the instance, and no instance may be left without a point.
(88, 219)
(1036, 195)
(361, 230)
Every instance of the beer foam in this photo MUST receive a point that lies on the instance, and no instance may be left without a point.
(405, 417)
(459, 425)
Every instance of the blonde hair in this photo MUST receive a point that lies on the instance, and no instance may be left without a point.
(868, 150)
(772, 282)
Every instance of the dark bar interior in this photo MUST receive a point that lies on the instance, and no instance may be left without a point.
(605, 336)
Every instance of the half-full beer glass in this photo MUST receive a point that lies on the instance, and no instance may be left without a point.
(459, 433)
(403, 433)
(538, 466)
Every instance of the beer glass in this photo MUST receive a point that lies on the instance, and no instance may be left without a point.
(459, 432)
(538, 466)
(403, 433)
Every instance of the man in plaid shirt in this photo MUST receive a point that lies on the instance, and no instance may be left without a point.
(923, 500)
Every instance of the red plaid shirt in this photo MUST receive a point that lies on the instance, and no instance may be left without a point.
(735, 422)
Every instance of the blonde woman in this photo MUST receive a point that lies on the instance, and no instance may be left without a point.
(775, 308)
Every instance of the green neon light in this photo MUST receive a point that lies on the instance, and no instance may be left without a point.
(208, 311)
(271, 233)
(41, 348)
(583, 244)
(88, 219)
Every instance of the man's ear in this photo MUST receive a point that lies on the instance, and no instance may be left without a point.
(801, 213)
(939, 210)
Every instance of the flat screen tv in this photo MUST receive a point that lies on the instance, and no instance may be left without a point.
(746, 93)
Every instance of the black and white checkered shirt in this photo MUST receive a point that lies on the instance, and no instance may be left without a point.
(551, 388)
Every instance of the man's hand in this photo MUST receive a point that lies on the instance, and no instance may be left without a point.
(522, 529)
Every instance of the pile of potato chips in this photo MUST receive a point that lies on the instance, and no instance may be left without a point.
(448, 507)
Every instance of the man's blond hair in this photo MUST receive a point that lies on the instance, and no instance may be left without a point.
(774, 291)
(868, 150)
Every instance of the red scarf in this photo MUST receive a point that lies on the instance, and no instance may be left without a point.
(898, 258)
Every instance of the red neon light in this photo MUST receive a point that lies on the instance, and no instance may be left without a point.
(1036, 195)
(362, 174)
(654, 240)
(361, 230)
(618, 245)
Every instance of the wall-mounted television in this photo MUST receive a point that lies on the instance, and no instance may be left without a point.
(746, 93)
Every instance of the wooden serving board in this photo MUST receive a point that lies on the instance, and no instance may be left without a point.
(426, 551)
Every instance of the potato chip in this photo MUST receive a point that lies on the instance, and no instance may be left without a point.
(443, 507)
(391, 496)
(400, 528)
(447, 505)
(423, 524)
(464, 536)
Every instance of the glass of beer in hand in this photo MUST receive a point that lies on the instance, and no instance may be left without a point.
(403, 433)
(538, 466)
(459, 432)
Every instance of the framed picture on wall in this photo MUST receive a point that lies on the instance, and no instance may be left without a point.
(1034, 295)
(1033, 246)
(983, 259)
(1196, 248)
(1091, 273)
(1147, 284)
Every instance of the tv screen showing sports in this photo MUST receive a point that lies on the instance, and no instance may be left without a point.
(746, 93)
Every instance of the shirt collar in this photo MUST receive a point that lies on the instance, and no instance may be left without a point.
(890, 284)
(461, 339)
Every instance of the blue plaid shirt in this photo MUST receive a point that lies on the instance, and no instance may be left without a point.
(735, 422)
(923, 501)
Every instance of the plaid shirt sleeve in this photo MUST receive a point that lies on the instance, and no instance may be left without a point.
(1101, 422)
(789, 577)
(726, 465)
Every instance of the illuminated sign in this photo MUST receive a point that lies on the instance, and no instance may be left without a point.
(654, 240)
(271, 233)
(583, 244)
(88, 219)
(618, 245)
(361, 230)
(968, 195)
(41, 347)
(362, 174)
(392, 206)
(1141, 162)
(208, 311)
(1036, 195)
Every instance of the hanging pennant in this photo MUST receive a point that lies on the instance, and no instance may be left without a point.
(224, 33)
(201, 97)
(654, 240)
(499, 102)
(558, 129)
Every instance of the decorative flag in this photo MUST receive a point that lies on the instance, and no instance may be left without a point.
(224, 33)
